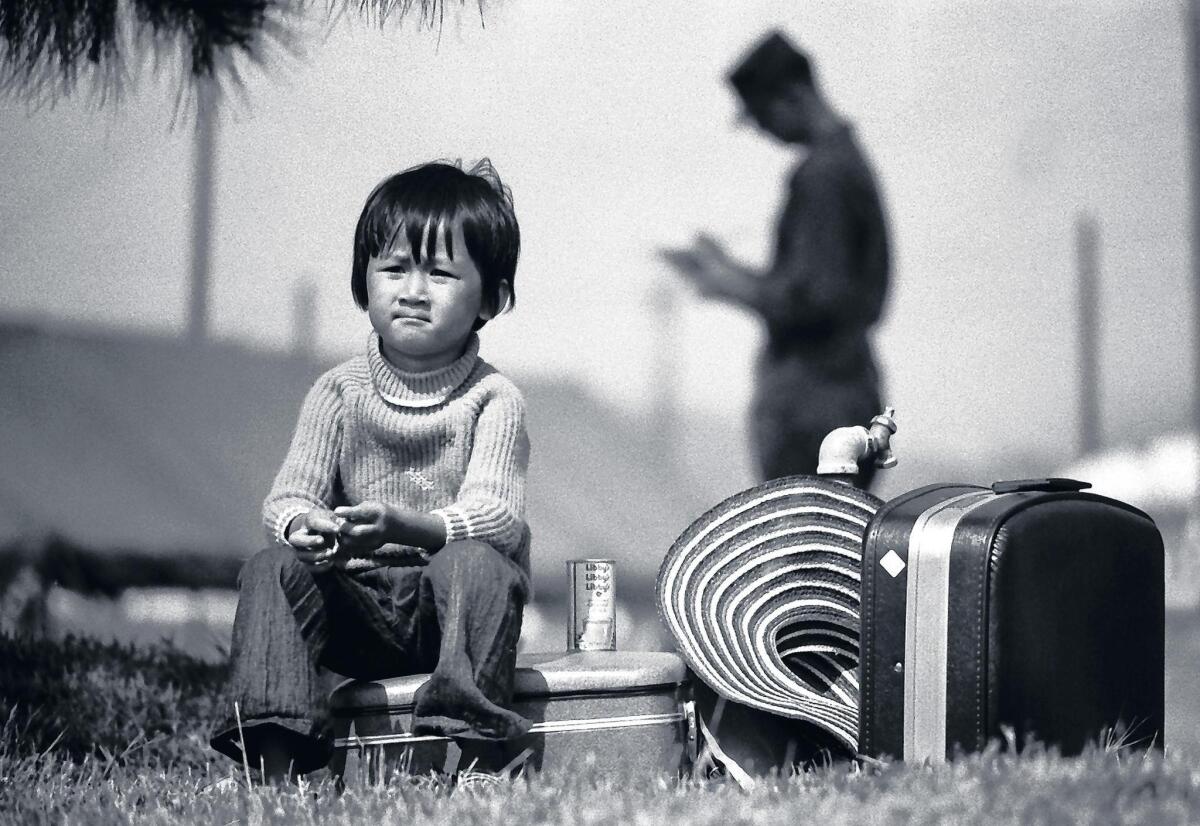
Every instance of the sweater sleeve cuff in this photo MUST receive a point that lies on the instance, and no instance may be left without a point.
(457, 527)
(279, 529)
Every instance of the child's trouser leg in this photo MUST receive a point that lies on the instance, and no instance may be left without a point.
(478, 594)
(290, 620)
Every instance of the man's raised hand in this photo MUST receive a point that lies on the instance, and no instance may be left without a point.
(705, 264)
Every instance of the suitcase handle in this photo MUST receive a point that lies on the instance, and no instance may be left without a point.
(1051, 484)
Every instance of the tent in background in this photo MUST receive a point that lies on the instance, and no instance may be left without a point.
(139, 459)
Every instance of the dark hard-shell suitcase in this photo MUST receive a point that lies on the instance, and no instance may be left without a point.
(1030, 610)
(628, 712)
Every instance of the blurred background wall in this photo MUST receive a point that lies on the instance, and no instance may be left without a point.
(995, 129)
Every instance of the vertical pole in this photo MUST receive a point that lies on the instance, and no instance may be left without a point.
(1087, 264)
(203, 170)
(1192, 25)
(304, 317)
(666, 340)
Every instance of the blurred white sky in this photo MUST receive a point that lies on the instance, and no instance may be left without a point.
(990, 125)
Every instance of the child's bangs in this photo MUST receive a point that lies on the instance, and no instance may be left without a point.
(414, 224)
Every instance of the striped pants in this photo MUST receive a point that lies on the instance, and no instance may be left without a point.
(459, 617)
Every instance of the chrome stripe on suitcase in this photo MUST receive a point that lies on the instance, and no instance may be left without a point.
(883, 617)
(927, 603)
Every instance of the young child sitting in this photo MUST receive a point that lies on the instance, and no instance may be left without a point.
(399, 544)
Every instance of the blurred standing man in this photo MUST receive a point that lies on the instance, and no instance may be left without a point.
(828, 280)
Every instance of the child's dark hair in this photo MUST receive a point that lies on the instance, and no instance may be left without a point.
(436, 194)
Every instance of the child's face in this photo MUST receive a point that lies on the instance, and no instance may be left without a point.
(424, 312)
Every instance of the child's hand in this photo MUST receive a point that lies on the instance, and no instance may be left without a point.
(314, 536)
(366, 526)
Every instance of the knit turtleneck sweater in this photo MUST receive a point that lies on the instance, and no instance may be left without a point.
(450, 442)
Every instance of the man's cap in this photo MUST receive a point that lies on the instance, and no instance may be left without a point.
(772, 63)
(761, 595)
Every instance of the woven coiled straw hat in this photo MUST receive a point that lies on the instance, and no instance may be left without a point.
(762, 596)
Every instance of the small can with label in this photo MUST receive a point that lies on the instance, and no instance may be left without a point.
(592, 606)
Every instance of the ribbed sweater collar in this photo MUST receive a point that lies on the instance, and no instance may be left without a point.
(419, 389)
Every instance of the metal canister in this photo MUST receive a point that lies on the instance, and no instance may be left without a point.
(592, 608)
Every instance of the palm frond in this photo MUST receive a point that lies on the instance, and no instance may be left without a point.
(54, 48)
(379, 12)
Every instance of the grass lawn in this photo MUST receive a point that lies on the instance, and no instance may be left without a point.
(99, 734)
(992, 788)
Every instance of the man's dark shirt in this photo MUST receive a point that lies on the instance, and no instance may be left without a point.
(825, 288)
